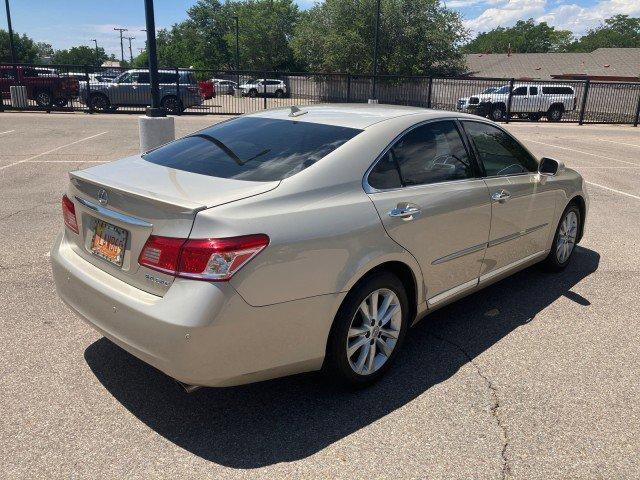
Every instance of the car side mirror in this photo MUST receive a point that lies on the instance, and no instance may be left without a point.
(550, 166)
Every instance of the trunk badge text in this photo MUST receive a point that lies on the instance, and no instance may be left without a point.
(103, 198)
(156, 280)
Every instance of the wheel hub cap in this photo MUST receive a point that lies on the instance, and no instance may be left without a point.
(567, 237)
(374, 331)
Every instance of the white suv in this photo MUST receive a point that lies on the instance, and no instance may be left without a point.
(261, 86)
(531, 100)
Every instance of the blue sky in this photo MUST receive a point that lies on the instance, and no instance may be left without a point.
(65, 23)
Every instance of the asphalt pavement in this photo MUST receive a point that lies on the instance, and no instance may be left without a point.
(535, 377)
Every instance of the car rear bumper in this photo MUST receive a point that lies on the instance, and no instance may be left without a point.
(199, 333)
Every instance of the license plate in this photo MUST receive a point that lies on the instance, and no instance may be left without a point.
(109, 242)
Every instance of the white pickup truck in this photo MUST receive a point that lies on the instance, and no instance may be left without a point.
(531, 100)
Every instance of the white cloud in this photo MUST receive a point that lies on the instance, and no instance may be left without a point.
(506, 15)
(568, 16)
(580, 19)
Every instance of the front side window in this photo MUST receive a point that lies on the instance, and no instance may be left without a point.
(253, 149)
(520, 91)
(499, 152)
(126, 78)
(533, 90)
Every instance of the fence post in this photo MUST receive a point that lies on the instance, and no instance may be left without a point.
(88, 80)
(637, 119)
(583, 104)
(509, 99)
(264, 90)
(429, 90)
(348, 87)
(178, 91)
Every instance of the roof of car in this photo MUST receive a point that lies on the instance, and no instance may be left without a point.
(353, 115)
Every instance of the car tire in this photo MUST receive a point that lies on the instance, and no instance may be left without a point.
(554, 114)
(279, 93)
(564, 240)
(253, 93)
(498, 113)
(61, 102)
(99, 102)
(172, 105)
(358, 360)
(44, 99)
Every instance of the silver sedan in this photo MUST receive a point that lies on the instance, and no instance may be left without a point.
(300, 239)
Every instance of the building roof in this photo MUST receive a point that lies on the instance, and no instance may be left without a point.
(603, 63)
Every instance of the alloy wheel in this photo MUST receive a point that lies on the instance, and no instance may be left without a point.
(374, 331)
(567, 237)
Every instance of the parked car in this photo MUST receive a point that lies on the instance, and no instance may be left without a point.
(463, 103)
(132, 88)
(207, 89)
(292, 240)
(225, 86)
(47, 90)
(261, 86)
(531, 100)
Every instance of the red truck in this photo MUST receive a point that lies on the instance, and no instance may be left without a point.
(207, 89)
(45, 87)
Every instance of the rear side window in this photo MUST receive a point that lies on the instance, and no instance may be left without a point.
(430, 153)
(557, 90)
(499, 152)
(254, 149)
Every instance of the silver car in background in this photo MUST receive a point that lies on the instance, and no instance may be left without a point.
(132, 89)
(293, 240)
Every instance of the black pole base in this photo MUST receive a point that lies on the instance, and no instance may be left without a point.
(156, 112)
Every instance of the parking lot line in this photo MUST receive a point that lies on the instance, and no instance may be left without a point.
(8, 131)
(613, 190)
(583, 152)
(620, 143)
(51, 151)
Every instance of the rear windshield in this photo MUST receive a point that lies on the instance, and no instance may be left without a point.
(254, 149)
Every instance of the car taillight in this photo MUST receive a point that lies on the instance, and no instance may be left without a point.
(69, 214)
(212, 259)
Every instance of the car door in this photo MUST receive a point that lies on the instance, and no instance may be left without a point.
(426, 190)
(121, 92)
(519, 99)
(522, 204)
(142, 89)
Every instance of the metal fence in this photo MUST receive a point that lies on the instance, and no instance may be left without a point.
(188, 91)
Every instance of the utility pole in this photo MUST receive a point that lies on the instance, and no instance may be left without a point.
(155, 110)
(375, 52)
(121, 44)
(94, 40)
(14, 58)
(130, 50)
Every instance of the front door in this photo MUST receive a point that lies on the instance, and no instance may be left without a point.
(522, 205)
(426, 191)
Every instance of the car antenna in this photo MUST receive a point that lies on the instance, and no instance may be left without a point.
(296, 112)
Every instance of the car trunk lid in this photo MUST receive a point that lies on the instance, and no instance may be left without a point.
(129, 200)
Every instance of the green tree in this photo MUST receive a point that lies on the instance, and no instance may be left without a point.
(26, 48)
(617, 31)
(45, 51)
(81, 55)
(417, 37)
(523, 37)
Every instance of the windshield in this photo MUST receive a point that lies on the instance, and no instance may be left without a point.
(254, 149)
(490, 90)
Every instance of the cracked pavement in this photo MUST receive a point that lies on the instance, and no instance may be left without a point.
(535, 377)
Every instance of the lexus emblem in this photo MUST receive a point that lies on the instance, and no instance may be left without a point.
(103, 198)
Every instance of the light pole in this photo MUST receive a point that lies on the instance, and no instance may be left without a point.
(375, 51)
(94, 40)
(130, 50)
(237, 48)
(14, 59)
(121, 44)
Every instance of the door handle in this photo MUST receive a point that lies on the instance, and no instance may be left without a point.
(501, 196)
(404, 211)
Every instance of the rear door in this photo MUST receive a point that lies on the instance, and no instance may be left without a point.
(522, 207)
(427, 192)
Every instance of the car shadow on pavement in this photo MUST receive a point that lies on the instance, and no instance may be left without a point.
(292, 418)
